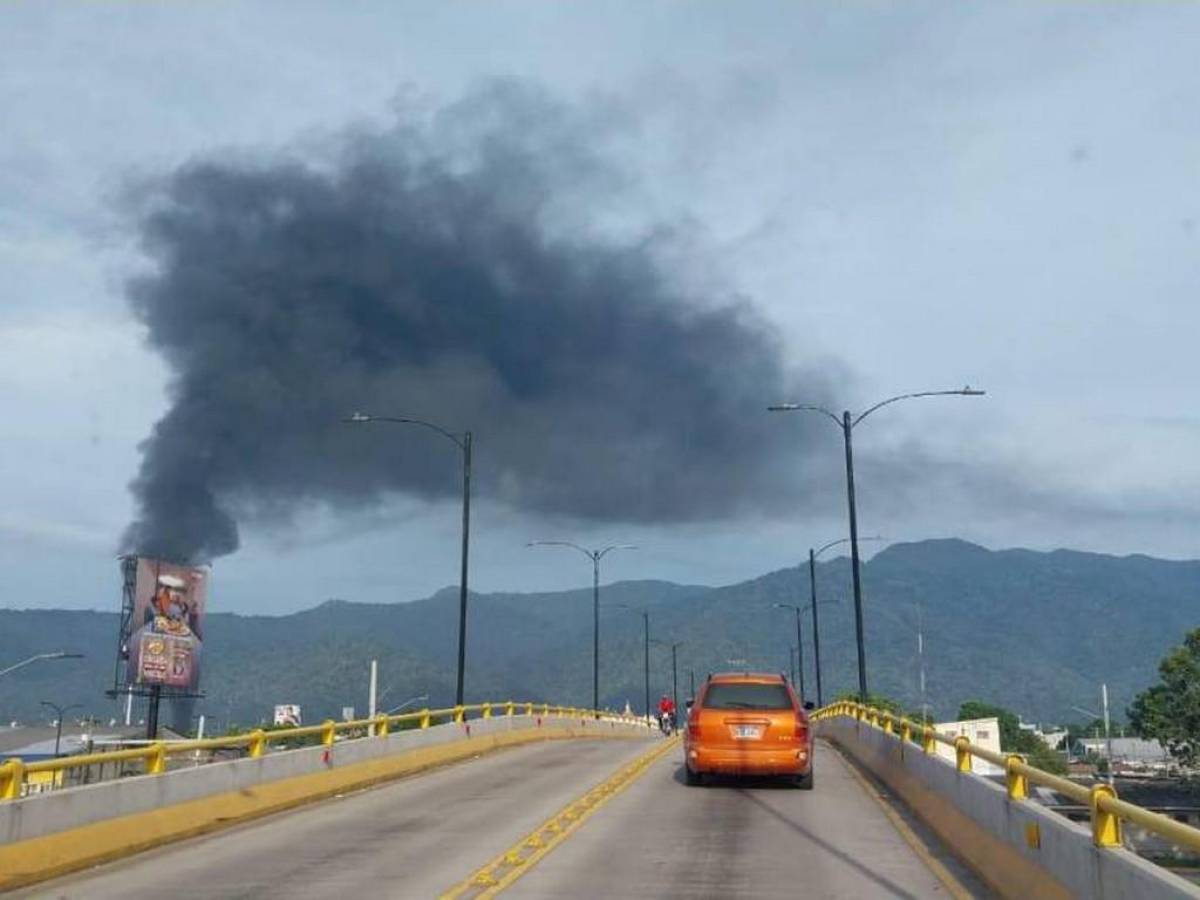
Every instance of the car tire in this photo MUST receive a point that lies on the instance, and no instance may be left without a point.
(693, 779)
(804, 782)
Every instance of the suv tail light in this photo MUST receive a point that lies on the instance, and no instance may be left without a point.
(693, 728)
(801, 729)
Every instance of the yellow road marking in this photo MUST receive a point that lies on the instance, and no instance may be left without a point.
(507, 867)
(957, 889)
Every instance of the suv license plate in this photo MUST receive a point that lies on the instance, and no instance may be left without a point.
(747, 732)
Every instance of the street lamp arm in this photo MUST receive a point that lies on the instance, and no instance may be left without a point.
(583, 550)
(817, 553)
(600, 554)
(363, 417)
(785, 606)
(61, 654)
(962, 392)
(794, 407)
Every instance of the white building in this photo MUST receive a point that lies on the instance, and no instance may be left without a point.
(983, 733)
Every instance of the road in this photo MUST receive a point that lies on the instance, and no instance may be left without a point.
(657, 839)
(661, 839)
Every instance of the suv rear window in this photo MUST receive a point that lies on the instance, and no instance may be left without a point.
(746, 695)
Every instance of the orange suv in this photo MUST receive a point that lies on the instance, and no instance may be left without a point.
(748, 724)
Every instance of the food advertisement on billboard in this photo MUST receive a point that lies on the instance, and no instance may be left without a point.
(167, 626)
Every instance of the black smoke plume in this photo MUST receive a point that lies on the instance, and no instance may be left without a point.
(445, 268)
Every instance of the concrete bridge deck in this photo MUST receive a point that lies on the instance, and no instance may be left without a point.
(657, 839)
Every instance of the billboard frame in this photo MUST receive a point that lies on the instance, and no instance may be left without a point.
(122, 686)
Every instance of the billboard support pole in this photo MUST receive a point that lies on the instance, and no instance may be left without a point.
(152, 712)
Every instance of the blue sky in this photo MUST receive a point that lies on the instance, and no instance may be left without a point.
(916, 196)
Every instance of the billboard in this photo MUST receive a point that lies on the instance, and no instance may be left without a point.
(287, 714)
(166, 626)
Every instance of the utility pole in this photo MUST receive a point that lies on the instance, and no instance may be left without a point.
(921, 663)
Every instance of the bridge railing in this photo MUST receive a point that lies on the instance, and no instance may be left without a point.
(1106, 810)
(154, 756)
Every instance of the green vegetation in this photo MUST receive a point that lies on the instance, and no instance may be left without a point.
(1170, 710)
(1013, 738)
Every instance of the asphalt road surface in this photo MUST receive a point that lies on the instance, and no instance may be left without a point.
(661, 839)
(658, 839)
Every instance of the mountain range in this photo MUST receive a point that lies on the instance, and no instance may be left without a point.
(1035, 632)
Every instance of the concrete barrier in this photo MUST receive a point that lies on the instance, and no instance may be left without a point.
(50, 834)
(1020, 848)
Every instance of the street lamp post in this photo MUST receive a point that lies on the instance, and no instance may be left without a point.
(595, 556)
(59, 654)
(463, 442)
(59, 712)
(812, 584)
(847, 424)
(645, 614)
(674, 672)
(799, 642)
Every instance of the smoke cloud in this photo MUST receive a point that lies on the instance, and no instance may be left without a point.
(449, 268)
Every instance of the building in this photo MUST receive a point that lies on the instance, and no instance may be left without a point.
(1132, 752)
(983, 733)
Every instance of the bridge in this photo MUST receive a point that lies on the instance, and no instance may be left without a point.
(530, 800)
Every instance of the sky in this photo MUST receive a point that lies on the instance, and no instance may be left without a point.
(908, 197)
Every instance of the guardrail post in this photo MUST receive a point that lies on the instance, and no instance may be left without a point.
(425, 718)
(545, 710)
(905, 731)
(328, 730)
(156, 758)
(888, 728)
(1106, 826)
(1016, 782)
(529, 709)
(12, 779)
(258, 743)
(382, 726)
(962, 753)
(460, 713)
(929, 740)
(510, 708)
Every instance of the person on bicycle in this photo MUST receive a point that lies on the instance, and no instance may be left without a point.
(666, 714)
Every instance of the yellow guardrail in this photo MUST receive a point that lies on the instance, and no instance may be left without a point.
(155, 755)
(1107, 810)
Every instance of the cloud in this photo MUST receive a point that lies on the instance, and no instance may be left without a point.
(449, 267)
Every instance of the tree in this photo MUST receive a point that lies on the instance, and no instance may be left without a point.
(1169, 711)
(1014, 738)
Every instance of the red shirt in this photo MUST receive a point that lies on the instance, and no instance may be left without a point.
(666, 705)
